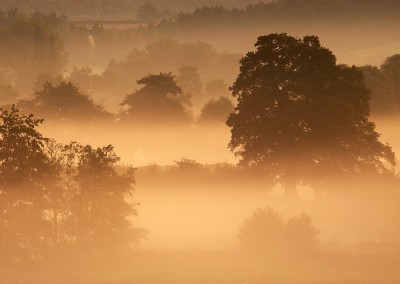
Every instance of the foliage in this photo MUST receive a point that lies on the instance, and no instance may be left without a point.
(160, 100)
(63, 102)
(300, 116)
(189, 79)
(384, 85)
(216, 111)
(267, 233)
(23, 170)
(60, 200)
(21, 147)
(84, 78)
(283, 12)
(31, 45)
(383, 96)
(391, 69)
(167, 54)
(99, 201)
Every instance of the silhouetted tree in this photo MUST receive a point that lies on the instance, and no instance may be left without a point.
(264, 228)
(61, 192)
(160, 100)
(46, 78)
(216, 111)
(383, 97)
(302, 117)
(163, 54)
(391, 69)
(65, 102)
(89, 202)
(24, 169)
(104, 204)
(267, 233)
(60, 199)
(84, 78)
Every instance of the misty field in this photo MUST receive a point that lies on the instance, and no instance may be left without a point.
(215, 141)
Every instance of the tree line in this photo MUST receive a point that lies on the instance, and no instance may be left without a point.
(36, 46)
(160, 101)
(301, 118)
(285, 11)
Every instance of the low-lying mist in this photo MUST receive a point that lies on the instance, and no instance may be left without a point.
(182, 142)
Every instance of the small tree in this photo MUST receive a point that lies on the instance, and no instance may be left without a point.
(391, 69)
(104, 204)
(60, 198)
(263, 230)
(159, 101)
(22, 156)
(302, 117)
(383, 96)
(267, 232)
(63, 102)
(23, 174)
(216, 111)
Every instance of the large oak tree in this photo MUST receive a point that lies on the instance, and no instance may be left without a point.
(301, 116)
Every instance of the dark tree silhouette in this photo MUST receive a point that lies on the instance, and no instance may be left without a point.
(60, 199)
(64, 102)
(160, 100)
(302, 117)
(383, 96)
(391, 69)
(104, 204)
(216, 111)
(23, 171)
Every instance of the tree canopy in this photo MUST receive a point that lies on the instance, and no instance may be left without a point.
(301, 116)
(189, 79)
(216, 111)
(391, 69)
(160, 100)
(31, 45)
(266, 232)
(383, 95)
(64, 102)
(60, 199)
